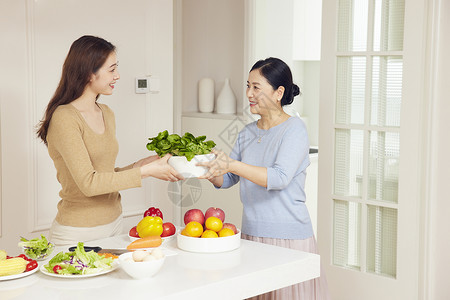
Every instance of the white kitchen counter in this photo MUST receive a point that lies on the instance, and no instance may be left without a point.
(252, 269)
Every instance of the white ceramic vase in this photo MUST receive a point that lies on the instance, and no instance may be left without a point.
(226, 100)
(206, 95)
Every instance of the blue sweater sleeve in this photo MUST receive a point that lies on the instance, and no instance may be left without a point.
(230, 179)
(292, 156)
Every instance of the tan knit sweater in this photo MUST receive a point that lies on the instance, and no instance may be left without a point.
(85, 165)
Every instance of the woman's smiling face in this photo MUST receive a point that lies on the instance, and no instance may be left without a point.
(102, 82)
(261, 95)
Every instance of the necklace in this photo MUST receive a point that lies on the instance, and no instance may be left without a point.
(260, 136)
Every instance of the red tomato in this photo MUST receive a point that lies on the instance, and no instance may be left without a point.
(133, 232)
(168, 229)
(31, 265)
(24, 257)
(56, 269)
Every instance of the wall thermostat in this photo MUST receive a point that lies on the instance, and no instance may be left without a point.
(147, 84)
(142, 85)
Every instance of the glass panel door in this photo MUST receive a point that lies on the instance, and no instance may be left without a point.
(369, 74)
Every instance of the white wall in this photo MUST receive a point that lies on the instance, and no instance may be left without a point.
(212, 46)
(437, 234)
(35, 38)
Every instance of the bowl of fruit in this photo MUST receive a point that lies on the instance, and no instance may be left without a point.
(152, 224)
(208, 232)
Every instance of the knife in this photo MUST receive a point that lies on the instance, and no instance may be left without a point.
(101, 250)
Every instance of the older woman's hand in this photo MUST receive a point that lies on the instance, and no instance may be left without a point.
(220, 165)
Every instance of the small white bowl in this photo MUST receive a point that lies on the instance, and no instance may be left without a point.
(188, 168)
(142, 269)
(40, 257)
(209, 245)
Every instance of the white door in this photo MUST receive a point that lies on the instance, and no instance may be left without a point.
(371, 95)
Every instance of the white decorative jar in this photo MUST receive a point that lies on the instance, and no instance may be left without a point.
(226, 100)
(206, 95)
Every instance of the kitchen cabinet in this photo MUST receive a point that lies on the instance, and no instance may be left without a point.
(252, 269)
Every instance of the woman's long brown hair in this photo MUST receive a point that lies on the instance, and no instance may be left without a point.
(86, 55)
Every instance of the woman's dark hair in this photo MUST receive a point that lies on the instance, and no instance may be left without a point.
(277, 73)
(86, 55)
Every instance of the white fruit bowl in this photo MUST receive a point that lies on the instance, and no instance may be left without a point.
(188, 169)
(142, 269)
(209, 245)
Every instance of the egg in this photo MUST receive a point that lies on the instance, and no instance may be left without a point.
(139, 255)
(157, 253)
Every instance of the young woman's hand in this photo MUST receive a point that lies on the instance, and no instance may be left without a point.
(145, 161)
(159, 168)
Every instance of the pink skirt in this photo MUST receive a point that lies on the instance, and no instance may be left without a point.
(314, 289)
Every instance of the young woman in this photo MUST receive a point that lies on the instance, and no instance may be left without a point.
(269, 160)
(80, 135)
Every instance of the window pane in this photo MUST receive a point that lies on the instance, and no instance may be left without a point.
(352, 25)
(382, 240)
(387, 74)
(347, 238)
(351, 88)
(388, 25)
(348, 162)
(383, 165)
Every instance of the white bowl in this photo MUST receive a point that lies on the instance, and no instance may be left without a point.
(44, 256)
(209, 245)
(142, 269)
(164, 239)
(188, 168)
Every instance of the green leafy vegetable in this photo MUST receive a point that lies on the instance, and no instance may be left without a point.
(79, 262)
(36, 248)
(188, 145)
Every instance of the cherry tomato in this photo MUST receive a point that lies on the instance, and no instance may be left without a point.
(31, 265)
(133, 232)
(56, 269)
(24, 257)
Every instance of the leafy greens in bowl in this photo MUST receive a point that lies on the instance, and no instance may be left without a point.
(187, 145)
(37, 248)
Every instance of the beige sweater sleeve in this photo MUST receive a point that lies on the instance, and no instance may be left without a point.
(85, 158)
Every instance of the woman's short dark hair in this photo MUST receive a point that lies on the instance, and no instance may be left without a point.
(278, 73)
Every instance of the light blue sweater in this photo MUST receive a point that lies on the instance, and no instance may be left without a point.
(278, 211)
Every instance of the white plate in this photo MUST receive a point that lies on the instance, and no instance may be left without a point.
(44, 270)
(24, 274)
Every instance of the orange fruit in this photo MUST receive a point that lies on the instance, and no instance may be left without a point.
(194, 229)
(214, 224)
(183, 232)
(209, 234)
(226, 232)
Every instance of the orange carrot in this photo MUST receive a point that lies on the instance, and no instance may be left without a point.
(146, 242)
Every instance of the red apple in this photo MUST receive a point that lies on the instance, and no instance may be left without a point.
(133, 232)
(168, 229)
(194, 215)
(215, 212)
(231, 226)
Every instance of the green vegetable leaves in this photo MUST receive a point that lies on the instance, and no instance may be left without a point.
(79, 262)
(188, 145)
(36, 248)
